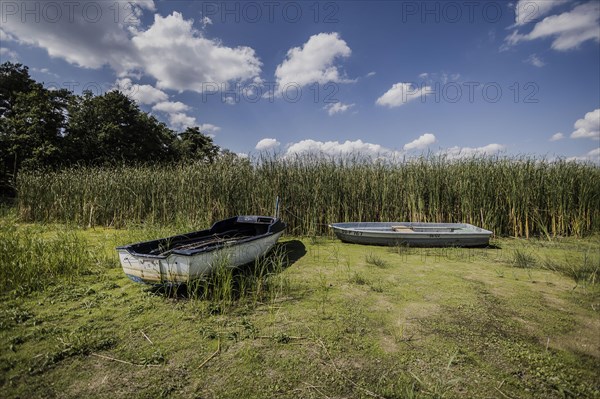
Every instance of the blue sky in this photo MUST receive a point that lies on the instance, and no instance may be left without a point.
(382, 78)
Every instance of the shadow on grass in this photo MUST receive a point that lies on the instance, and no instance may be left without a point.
(492, 246)
(294, 249)
(411, 250)
(252, 280)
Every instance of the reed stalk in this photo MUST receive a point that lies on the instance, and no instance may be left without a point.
(512, 196)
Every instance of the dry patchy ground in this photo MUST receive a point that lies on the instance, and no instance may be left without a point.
(340, 321)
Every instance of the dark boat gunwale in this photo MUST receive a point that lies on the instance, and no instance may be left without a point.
(271, 225)
(457, 229)
(417, 234)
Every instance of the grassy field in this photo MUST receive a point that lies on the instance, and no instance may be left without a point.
(328, 320)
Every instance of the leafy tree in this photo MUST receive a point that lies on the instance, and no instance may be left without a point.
(194, 145)
(35, 127)
(110, 128)
(14, 79)
(42, 128)
(32, 122)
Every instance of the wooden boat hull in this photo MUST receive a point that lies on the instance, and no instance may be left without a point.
(412, 234)
(177, 263)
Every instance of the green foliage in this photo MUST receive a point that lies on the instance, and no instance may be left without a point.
(111, 129)
(14, 79)
(375, 260)
(256, 283)
(42, 129)
(30, 261)
(192, 145)
(77, 344)
(35, 127)
(522, 259)
(517, 197)
(584, 268)
(357, 278)
(32, 122)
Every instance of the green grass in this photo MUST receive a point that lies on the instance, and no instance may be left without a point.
(30, 261)
(511, 196)
(375, 260)
(522, 259)
(319, 321)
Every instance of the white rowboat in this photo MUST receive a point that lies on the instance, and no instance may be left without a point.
(179, 259)
(412, 234)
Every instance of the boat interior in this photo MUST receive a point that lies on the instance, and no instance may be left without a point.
(424, 229)
(224, 232)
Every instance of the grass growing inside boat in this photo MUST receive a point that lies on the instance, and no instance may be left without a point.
(259, 282)
(322, 322)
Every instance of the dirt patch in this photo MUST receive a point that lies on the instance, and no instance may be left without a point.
(405, 328)
(417, 310)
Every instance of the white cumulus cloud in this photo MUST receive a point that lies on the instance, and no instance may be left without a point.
(170, 107)
(87, 33)
(180, 58)
(588, 126)
(534, 60)
(206, 21)
(527, 11)
(557, 136)
(466, 152)
(592, 156)
(336, 148)
(337, 108)
(142, 94)
(208, 128)
(313, 62)
(267, 144)
(6, 53)
(402, 93)
(350, 148)
(93, 34)
(568, 30)
(180, 120)
(5, 36)
(421, 143)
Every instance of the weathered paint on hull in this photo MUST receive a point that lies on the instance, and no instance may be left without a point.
(182, 268)
(438, 241)
(383, 234)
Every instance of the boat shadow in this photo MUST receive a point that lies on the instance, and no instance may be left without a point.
(294, 249)
(237, 282)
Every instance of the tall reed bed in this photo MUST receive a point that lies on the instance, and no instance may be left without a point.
(511, 196)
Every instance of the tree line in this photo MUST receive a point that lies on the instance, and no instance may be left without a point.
(49, 129)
